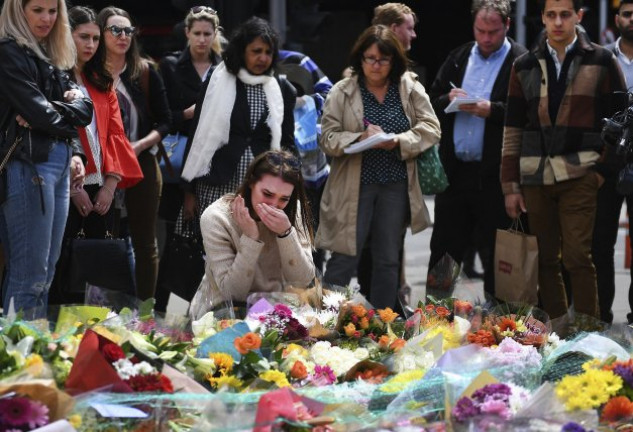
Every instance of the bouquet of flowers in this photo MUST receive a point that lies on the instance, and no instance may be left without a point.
(525, 324)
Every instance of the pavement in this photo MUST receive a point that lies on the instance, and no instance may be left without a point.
(418, 251)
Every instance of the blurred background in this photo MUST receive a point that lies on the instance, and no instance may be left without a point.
(326, 29)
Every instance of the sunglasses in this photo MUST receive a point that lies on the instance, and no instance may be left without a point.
(118, 31)
(207, 9)
(277, 159)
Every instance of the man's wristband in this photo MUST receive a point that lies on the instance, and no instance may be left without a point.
(285, 233)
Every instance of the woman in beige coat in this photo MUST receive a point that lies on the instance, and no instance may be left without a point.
(376, 191)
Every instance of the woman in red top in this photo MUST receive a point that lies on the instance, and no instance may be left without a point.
(111, 162)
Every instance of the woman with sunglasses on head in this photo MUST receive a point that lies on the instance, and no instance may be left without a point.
(147, 118)
(259, 239)
(40, 105)
(243, 111)
(111, 162)
(374, 193)
(183, 73)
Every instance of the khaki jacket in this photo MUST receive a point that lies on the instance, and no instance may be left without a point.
(342, 125)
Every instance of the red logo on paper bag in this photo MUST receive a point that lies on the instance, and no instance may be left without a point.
(505, 267)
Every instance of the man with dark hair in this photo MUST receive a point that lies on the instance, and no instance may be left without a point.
(605, 231)
(470, 147)
(553, 159)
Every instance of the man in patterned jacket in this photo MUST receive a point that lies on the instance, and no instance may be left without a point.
(553, 156)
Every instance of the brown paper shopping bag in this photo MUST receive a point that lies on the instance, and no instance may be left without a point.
(516, 265)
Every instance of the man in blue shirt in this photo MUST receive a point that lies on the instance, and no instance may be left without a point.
(472, 137)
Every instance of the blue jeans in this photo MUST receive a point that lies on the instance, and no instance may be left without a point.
(383, 211)
(31, 234)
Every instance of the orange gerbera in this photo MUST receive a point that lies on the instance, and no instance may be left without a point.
(618, 408)
(482, 337)
(359, 310)
(507, 324)
(387, 315)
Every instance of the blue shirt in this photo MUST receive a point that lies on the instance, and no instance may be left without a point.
(480, 77)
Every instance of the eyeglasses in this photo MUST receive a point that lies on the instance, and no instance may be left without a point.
(118, 31)
(207, 9)
(279, 159)
(372, 61)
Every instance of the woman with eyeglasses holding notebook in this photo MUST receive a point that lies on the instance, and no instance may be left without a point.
(147, 118)
(375, 193)
(243, 111)
(259, 239)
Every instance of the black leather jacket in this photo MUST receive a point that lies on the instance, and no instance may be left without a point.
(34, 89)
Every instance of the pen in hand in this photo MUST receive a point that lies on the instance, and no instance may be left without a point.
(366, 122)
(452, 84)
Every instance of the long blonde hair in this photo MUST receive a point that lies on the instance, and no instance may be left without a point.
(58, 48)
(210, 15)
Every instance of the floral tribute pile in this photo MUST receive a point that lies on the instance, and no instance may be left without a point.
(450, 364)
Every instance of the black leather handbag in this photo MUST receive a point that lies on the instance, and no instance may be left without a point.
(181, 268)
(102, 262)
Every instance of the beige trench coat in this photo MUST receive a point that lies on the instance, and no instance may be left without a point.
(342, 125)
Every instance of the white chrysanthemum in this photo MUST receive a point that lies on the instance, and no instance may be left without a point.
(340, 360)
(553, 342)
(125, 368)
(411, 357)
(144, 368)
(327, 318)
(333, 300)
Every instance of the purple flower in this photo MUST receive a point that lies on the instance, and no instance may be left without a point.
(464, 409)
(322, 376)
(573, 427)
(497, 391)
(295, 330)
(496, 407)
(39, 415)
(15, 411)
(625, 373)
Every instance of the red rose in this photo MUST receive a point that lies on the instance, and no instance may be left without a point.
(112, 352)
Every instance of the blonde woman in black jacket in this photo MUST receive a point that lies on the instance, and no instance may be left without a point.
(40, 104)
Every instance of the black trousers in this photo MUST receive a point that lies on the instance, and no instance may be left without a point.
(458, 213)
(605, 234)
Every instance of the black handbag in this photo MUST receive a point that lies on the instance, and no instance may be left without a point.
(181, 268)
(102, 262)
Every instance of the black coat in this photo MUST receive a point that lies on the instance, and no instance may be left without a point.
(34, 89)
(159, 116)
(226, 159)
(183, 86)
(472, 174)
